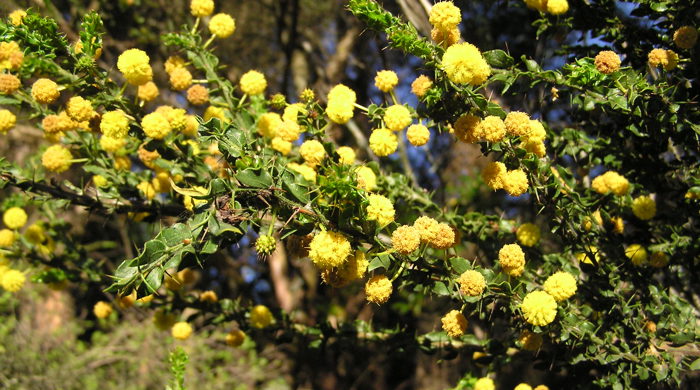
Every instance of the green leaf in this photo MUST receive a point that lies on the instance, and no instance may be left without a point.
(250, 179)
(440, 288)
(459, 264)
(154, 280)
(175, 234)
(695, 366)
(299, 191)
(498, 59)
(382, 261)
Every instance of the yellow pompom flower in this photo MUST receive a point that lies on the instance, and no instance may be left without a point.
(215, 112)
(16, 16)
(383, 142)
(517, 123)
(100, 181)
(405, 239)
(541, 387)
(386, 80)
(557, 7)
(471, 283)
(610, 181)
(57, 159)
(181, 330)
(528, 234)
(174, 62)
(524, 386)
(341, 104)
(347, 155)
(235, 338)
(637, 254)
(540, 5)
(464, 64)
(260, 317)
(530, 341)
(658, 259)
(253, 83)
(280, 145)
(491, 129)
(9, 83)
(560, 285)
(535, 147)
(148, 91)
(366, 178)
(515, 182)
(312, 152)
(102, 309)
(147, 189)
(421, 85)
(539, 308)
(418, 135)
(380, 209)
(378, 289)
(445, 16)
(644, 207)
(114, 124)
(306, 171)
(268, 123)
(494, 175)
(512, 259)
(427, 227)
(222, 25)
(292, 111)
(667, 59)
(454, 323)
(134, 65)
(288, 130)
(79, 109)
(45, 91)
(536, 132)
(122, 163)
(465, 128)
(156, 125)
(397, 117)
(607, 61)
(685, 37)
(445, 38)
(7, 238)
(329, 249)
(12, 280)
(200, 8)
(198, 95)
(111, 145)
(484, 383)
(7, 121)
(445, 237)
(180, 79)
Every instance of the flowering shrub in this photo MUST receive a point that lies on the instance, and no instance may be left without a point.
(593, 276)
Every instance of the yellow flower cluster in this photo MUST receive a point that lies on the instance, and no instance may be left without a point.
(445, 16)
(181, 330)
(11, 280)
(134, 65)
(644, 207)
(471, 283)
(484, 383)
(560, 285)
(312, 152)
(341, 104)
(14, 218)
(57, 159)
(253, 83)
(405, 239)
(397, 117)
(268, 124)
(7, 121)
(148, 91)
(380, 209)
(347, 155)
(114, 124)
(528, 234)
(9, 83)
(445, 38)
(554, 7)
(610, 181)
(539, 308)
(7, 238)
(366, 178)
(235, 338)
(200, 8)
(156, 125)
(454, 323)
(282, 146)
(383, 142)
(329, 249)
(222, 25)
(607, 61)
(512, 259)
(45, 91)
(530, 341)
(386, 80)
(11, 56)
(102, 309)
(685, 37)
(16, 16)
(353, 269)
(637, 254)
(306, 171)
(180, 79)
(421, 85)
(668, 59)
(260, 317)
(79, 109)
(198, 95)
(464, 64)
(378, 289)
(418, 135)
